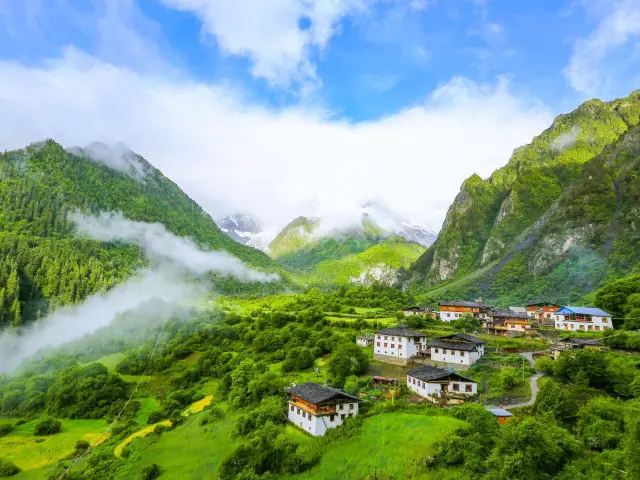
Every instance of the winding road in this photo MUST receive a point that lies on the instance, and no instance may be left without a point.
(533, 381)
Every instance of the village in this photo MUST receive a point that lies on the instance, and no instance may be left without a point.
(435, 366)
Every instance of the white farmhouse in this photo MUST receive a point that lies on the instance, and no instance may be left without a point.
(584, 319)
(461, 349)
(365, 340)
(439, 385)
(397, 345)
(315, 408)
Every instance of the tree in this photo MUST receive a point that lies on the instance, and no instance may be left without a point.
(151, 472)
(601, 423)
(551, 400)
(530, 450)
(7, 468)
(48, 426)
(349, 359)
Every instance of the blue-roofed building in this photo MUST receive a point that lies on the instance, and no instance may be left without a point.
(586, 319)
(503, 416)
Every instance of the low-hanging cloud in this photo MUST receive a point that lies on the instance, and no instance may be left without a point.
(160, 244)
(116, 156)
(566, 140)
(231, 155)
(176, 276)
(95, 312)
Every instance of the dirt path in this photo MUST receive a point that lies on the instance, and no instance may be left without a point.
(533, 381)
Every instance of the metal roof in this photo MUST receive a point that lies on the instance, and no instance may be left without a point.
(428, 373)
(465, 337)
(451, 344)
(567, 310)
(500, 412)
(462, 303)
(518, 309)
(509, 314)
(316, 393)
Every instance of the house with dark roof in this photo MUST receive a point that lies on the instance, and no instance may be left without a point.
(398, 344)
(439, 385)
(508, 323)
(586, 319)
(455, 309)
(364, 340)
(315, 408)
(461, 349)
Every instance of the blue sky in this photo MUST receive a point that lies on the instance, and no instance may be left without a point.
(347, 73)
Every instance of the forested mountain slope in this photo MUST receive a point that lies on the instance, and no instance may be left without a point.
(363, 253)
(556, 221)
(43, 264)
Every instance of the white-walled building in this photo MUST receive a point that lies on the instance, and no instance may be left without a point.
(364, 340)
(398, 344)
(315, 408)
(585, 319)
(454, 310)
(440, 385)
(460, 349)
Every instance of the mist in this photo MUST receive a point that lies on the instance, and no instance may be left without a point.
(176, 276)
(566, 140)
(116, 156)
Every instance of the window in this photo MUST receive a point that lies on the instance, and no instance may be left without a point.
(448, 352)
(351, 406)
(342, 417)
(292, 408)
(605, 320)
(393, 338)
(457, 315)
(332, 417)
(462, 354)
(386, 338)
(377, 344)
(400, 346)
(456, 387)
(378, 337)
(298, 412)
(468, 388)
(393, 345)
(385, 345)
(436, 350)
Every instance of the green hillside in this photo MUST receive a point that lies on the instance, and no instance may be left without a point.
(43, 265)
(551, 223)
(364, 252)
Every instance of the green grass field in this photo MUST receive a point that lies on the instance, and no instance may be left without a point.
(148, 406)
(391, 445)
(111, 361)
(191, 451)
(30, 452)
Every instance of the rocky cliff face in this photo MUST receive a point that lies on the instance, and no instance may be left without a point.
(571, 193)
(488, 216)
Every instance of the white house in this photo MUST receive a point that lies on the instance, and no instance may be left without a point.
(584, 319)
(454, 310)
(364, 340)
(459, 348)
(398, 344)
(440, 385)
(315, 408)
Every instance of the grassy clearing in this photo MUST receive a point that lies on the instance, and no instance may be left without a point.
(111, 361)
(193, 358)
(391, 445)
(30, 452)
(191, 451)
(148, 405)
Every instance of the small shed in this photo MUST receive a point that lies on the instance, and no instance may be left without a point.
(503, 416)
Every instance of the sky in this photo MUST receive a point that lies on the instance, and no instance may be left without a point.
(279, 108)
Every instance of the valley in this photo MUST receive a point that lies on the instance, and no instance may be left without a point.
(140, 339)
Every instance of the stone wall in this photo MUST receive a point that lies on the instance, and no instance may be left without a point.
(427, 361)
(389, 359)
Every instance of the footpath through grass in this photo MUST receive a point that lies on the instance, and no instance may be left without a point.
(391, 445)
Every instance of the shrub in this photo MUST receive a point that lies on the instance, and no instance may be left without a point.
(48, 426)
(7, 468)
(155, 417)
(81, 448)
(151, 472)
(6, 429)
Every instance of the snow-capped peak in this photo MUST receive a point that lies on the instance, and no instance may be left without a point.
(247, 231)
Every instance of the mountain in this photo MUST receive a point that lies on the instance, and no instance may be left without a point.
(401, 226)
(246, 231)
(43, 265)
(337, 253)
(555, 222)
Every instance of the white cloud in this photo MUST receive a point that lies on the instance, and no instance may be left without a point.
(602, 64)
(230, 155)
(270, 32)
(566, 140)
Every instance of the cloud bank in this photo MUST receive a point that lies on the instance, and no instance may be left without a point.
(163, 246)
(176, 277)
(566, 140)
(231, 155)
